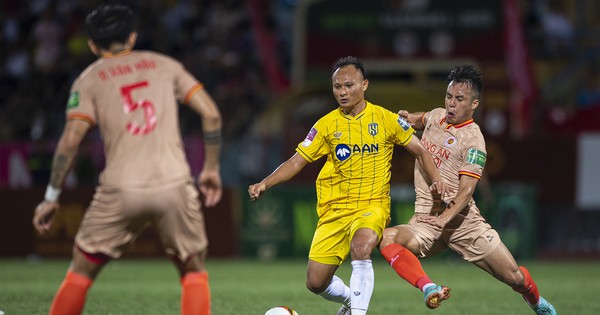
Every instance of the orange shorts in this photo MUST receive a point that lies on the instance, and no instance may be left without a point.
(468, 234)
(116, 216)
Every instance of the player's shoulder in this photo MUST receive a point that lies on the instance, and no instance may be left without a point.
(379, 108)
(382, 114)
(437, 114)
(471, 135)
(157, 56)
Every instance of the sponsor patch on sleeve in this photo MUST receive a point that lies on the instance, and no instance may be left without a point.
(309, 137)
(476, 157)
(73, 100)
(403, 123)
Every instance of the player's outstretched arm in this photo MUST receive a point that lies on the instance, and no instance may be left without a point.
(284, 172)
(416, 120)
(66, 151)
(424, 158)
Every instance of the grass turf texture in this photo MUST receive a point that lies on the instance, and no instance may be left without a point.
(151, 286)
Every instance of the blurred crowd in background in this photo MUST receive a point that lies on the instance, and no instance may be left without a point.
(44, 47)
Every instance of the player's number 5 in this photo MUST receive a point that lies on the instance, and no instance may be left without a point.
(130, 105)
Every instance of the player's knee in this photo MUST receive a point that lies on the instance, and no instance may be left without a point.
(361, 250)
(87, 264)
(388, 237)
(316, 286)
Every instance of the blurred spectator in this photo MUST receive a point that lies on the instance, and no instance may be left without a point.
(48, 46)
(589, 94)
(558, 29)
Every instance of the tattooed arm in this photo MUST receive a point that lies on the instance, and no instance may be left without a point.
(66, 151)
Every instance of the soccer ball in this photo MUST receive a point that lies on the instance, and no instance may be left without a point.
(281, 310)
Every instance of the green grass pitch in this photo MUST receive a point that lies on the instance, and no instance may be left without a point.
(151, 286)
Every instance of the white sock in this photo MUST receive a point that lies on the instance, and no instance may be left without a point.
(361, 285)
(337, 291)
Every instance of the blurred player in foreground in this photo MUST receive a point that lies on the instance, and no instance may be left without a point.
(132, 96)
(358, 139)
(458, 149)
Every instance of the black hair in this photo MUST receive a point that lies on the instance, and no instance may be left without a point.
(110, 24)
(467, 74)
(347, 61)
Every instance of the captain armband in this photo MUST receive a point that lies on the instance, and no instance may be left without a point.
(213, 137)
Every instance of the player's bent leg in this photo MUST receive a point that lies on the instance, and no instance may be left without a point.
(395, 248)
(501, 264)
(70, 297)
(321, 280)
(319, 276)
(530, 294)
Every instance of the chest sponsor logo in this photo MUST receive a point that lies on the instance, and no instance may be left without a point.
(337, 135)
(73, 101)
(343, 151)
(403, 123)
(476, 157)
(373, 129)
(309, 137)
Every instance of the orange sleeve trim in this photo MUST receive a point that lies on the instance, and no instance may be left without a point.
(475, 175)
(191, 92)
(81, 116)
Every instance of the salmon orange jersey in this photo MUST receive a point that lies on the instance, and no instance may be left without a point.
(359, 153)
(457, 150)
(133, 98)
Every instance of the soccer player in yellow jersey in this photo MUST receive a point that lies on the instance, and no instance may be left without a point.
(358, 139)
(458, 148)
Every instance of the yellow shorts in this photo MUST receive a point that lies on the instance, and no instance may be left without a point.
(331, 242)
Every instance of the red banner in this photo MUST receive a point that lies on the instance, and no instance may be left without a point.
(523, 91)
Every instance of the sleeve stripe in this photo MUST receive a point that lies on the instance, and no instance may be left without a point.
(81, 116)
(478, 176)
(191, 92)
(408, 140)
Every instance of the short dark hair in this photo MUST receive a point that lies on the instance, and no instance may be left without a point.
(467, 74)
(110, 24)
(347, 61)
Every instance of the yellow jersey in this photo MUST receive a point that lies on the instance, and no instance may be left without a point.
(359, 153)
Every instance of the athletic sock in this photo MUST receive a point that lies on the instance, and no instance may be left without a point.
(406, 265)
(361, 286)
(529, 290)
(337, 291)
(70, 297)
(195, 294)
